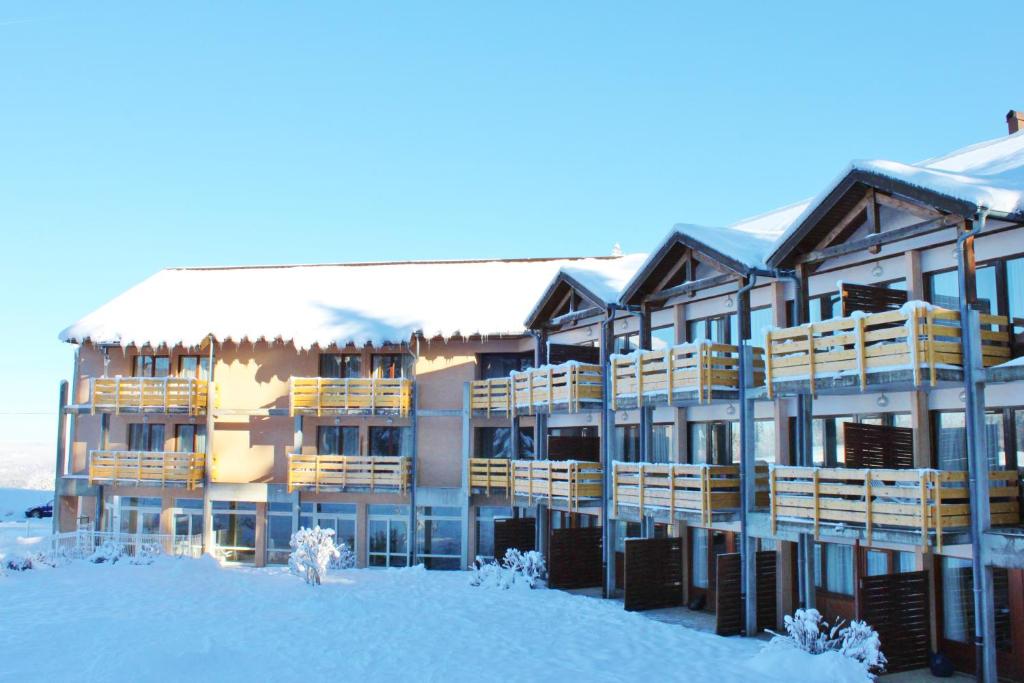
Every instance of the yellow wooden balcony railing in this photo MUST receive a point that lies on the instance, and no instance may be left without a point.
(556, 480)
(329, 396)
(492, 396)
(922, 339)
(704, 489)
(919, 501)
(318, 473)
(568, 387)
(699, 369)
(146, 468)
(490, 474)
(148, 395)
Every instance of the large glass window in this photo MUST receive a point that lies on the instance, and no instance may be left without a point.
(825, 307)
(279, 532)
(760, 322)
(188, 524)
(151, 366)
(194, 367)
(390, 441)
(663, 338)
(764, 441)
(388, 530)
(485, 518)
(720, 329)
(145, 437)
(627, 443)
(341, 365)
(827, 440)
(661, 443)
(699, 557)
(951, 440)
(140, 515)
(713, 443)
(338, 516)
(439, 537)
(392, 365)
(496, 442)
(493, 365)
(334, 440)
(626, 343)
(833, 569)
(190, 438)
(234, 530)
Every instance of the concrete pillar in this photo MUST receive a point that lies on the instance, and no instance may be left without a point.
(261, 534)
(362, 537)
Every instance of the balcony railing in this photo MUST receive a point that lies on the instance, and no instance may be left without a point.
(568, 387)
(490, 474)
(147, 468)
(923, 502)
(148, 395)
(349, 396)
(919, 341)
(683, 372)
(677, 487)
(318, 473)
(566, 481)
(491, 396)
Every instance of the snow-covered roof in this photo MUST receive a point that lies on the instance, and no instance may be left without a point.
(600, 281)
(335, 304)
(750, 240)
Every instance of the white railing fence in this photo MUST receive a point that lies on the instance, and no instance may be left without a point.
(84, 543)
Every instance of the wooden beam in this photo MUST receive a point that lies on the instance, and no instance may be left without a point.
(560, 320)
(880, 239)
(691, 286)
(908, 206)
(843, 223)
(673, 271)
(874, 219)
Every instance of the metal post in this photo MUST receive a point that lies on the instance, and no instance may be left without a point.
(208, 540)
(805, 543)
(467, 490)
(607, 457)
(747, 488)
(412, 535)
(62, 419)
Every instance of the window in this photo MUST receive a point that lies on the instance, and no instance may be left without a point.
(338, 516)
(627, 443)
(833, 570)
(760, 320)
(825, 307)
(496, 442)
(764, 440)
(392, 365)
(626, 343)
(190, 438)
(713, 443)
(194, 367)
(661, 443)
(234, 530)
(699, 558)
(279, 532)
(145, 437)
(439, 537)
(139, 515)
(663, 338)
(720, 329)
(333, 440)
(341, 365)
(390, 441)
(151, 366)
(485, 518)
(624, 530)
(187, 516)
(387, 528)
(950, 440)
(827, 443)
(494, 365)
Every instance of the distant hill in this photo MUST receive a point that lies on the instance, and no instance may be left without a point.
(26, 465)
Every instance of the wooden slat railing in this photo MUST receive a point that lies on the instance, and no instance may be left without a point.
(490, 474)
(147, 468)
(569, 387)
(563, 480)
(922, 339)
(700, 368)
(330, 396)
(920, 501)
(705, 489)
(148, 395)
(318, 473)
(491, 396)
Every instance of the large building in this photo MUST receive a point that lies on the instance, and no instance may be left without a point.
(820, 406)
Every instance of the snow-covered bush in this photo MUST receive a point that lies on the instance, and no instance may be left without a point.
(526, 568)
(313, 550)
(108, 551)
(145, 554)
(25, 562)
(808, 631)
(346, 559)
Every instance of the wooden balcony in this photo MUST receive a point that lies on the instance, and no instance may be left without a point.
(491, 397)
(170, 395)
(490, 474)
(333, 473)
(925, 503)
(318, 396)
(687, 373)
(556, 481)
(913, 348)
(703, 490)
(568, 388)
(147, 468)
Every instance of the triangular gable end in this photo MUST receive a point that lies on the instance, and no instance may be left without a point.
(679, 260)
(565, 295)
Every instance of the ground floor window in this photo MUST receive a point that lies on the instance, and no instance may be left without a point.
(387, 527)
(338, 516)
(439, 537)
(139, 515)
(833, 568)
(188, 523)
(279, 532)
(234, 530)
(699, 558)
(485, 518)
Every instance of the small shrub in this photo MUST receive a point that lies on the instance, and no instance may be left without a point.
(346, 559)
(807, 630)
(526, 568)
(146, 553)
(108, 552)
(313, 550)
(26, 562)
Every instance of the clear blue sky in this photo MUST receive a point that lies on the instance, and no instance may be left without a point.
(185, 134)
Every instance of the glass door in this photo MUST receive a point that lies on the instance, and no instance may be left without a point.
(388, 532)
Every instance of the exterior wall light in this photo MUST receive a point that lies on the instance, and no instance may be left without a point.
(882, 401)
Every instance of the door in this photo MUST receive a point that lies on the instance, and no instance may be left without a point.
(389, 542)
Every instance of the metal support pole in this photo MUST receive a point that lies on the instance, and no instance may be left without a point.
(805, 543)
(747, 489)
(607, 457)
(208, 539)
(467, 490)
(413, 462)
(62, 420)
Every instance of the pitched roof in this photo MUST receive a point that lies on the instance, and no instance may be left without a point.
(599, 281)
(330, 304)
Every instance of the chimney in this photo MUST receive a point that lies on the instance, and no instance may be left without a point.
(1015, 120)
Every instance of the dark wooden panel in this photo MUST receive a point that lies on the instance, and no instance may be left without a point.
(586, 448)
(518, 533)
(728, 595)
(896, 605)
(560, 353)
(870, 299)
(653, 573)
(876, 446)
(574, 558)
(766, 563)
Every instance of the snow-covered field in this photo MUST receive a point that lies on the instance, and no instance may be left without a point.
(195, 620)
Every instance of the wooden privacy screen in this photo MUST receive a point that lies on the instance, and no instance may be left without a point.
(560, 353)
(896, 605)
(574, 558)
(729, 618)
(870, 299)
(875, 446)
(653, 573)
(520, 533)
(586, 448)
